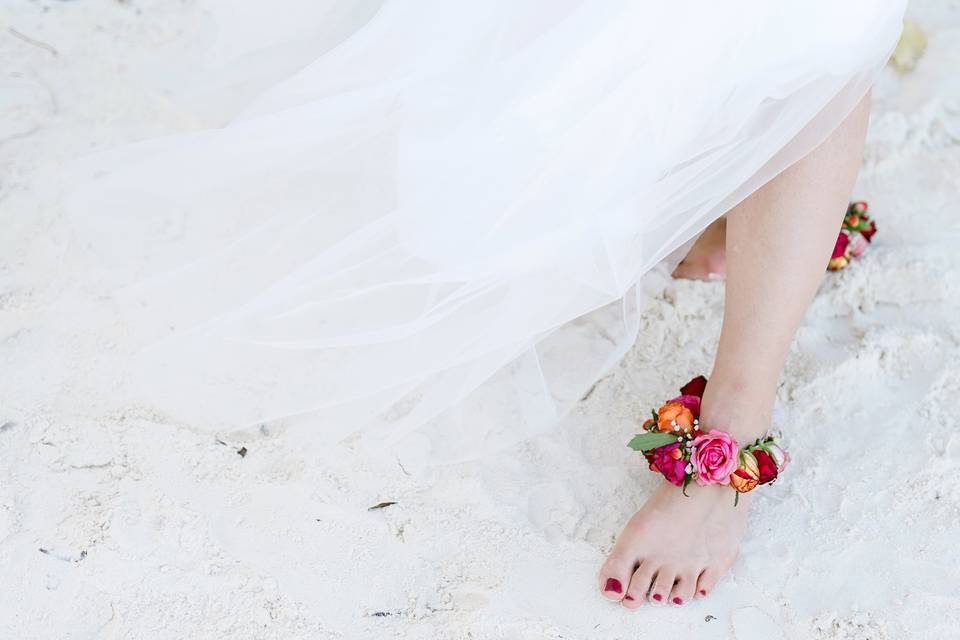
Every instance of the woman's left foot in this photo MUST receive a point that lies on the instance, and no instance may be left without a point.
(707, 258)
(676, 547)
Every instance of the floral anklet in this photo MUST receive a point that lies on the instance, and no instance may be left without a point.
(855, 234)
(676, 448)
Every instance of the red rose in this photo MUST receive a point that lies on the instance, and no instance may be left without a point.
(695, 387)
(766, 465)
(669, 461)
(840, 248)
(869, 231)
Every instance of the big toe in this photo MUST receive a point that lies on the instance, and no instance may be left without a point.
(615, 576)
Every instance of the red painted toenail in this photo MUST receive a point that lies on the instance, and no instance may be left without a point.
(677, 601)
(703, 592)
(657, 597)
(628, 597)
(613, 585)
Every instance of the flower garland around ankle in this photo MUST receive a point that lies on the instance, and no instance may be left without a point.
(855, 234)
(676, 448)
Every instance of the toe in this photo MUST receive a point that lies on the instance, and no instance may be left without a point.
(684, 588)
(662, 585)
(615, 576)
(639, 585)
(707, 581)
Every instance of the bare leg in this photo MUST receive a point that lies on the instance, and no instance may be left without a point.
(676, 547)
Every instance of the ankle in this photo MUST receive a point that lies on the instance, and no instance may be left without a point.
(742, 408)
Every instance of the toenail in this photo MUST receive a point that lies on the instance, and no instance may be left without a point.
(677, 600)
(703, 592)
(657, 597)
(613, 585)
(628, 597)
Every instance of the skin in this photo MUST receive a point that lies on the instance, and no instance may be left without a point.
(676, 548)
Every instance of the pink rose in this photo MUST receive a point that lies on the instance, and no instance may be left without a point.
(690, 402)
(669, 461)
(714, 457)
(841, 247)
(858, 244)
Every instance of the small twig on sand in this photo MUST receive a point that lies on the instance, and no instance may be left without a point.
(380, 505)
(34, 42)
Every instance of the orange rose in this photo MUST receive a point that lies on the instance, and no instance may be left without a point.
(673, 417)
(747, 475)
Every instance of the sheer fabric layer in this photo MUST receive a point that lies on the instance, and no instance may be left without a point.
(445, 217)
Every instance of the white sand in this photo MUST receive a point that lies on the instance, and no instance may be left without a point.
(122, 526)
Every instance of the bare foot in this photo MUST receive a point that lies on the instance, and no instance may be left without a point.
(676, 547)
(706, 260)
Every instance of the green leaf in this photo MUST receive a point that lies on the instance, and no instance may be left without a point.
(686, 482)
(736, 500)
(648, 441)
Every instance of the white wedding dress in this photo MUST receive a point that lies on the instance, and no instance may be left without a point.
(422, 214)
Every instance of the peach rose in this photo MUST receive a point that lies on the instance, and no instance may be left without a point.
(747, 474)
(674, 417)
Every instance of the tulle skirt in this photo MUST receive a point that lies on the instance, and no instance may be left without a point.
(442, 220)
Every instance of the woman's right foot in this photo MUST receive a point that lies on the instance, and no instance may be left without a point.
(707, 258)
(676, 547)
